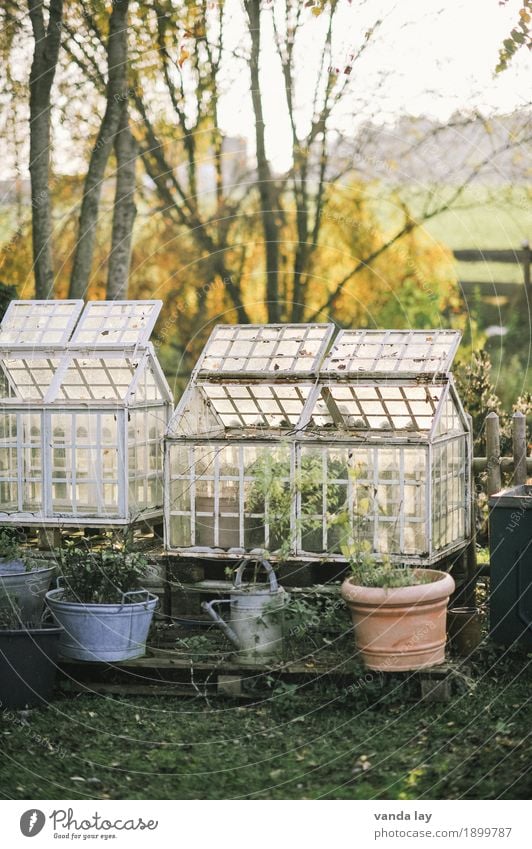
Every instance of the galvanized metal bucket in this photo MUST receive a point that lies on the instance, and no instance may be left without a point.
(103, 632)
(25, 590)
(256, 627)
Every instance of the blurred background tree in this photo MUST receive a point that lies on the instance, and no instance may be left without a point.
(152, 195)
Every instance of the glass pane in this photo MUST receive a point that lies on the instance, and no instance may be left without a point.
(28, 379)
(364, 407)
(254, 405)
(96, 379)
(33, 323)
(114, 323)
(265, 348)
(268, 497)
(8, 463)
(448, 492)
(393, 351)
(180, 536)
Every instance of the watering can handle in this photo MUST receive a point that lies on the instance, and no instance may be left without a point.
(237, 583)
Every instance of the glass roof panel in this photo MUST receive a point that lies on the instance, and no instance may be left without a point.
(355, 407)
(393, 351)
(253, 405)
(111, 324)
(285, 348)
(28, 379)
(96, 379)
(35, 324)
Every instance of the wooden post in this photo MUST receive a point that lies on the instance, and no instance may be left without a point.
(493, 450)
(519, 448)
(471, 567)
(526, 268)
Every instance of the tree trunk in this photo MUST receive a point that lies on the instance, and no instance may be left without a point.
(45, 55)
(124, 210)
(266, 186)
(116, 95)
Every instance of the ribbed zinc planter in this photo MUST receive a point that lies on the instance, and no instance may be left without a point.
(401, 628)
(103, 632)
(26, 589)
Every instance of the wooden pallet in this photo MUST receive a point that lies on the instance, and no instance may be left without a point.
(164, 672)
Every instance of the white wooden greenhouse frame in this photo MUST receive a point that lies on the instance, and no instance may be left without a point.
(84, 405)
(366, 442)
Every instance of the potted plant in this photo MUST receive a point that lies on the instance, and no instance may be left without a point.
(273, 491)
(28, 655)
(22, 577)
(101, 604)
(398, 613)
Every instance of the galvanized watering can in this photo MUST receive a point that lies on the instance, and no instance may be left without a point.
(256, 622)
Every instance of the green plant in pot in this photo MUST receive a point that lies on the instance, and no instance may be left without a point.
(28, 657)
(23, 576)
(398, 613)
(273, 494)
(101, 603)
(10, 550)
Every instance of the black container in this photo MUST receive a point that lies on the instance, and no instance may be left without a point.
(511, 566)
(28, 665)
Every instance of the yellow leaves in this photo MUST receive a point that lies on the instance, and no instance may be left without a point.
(316, 8)
(197, 30)
(184, 54)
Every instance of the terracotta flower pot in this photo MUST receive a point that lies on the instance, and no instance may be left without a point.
(401, 628)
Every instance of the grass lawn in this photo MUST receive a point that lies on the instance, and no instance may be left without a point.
(371, 742)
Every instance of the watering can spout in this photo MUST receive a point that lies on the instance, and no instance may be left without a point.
(208, 607)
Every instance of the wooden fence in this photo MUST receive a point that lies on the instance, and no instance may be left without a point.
(501, 288)
(501, 470)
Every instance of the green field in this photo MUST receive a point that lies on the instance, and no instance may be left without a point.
(503, 221)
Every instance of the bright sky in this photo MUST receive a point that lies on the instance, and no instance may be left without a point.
(435, 57)
(438, 57)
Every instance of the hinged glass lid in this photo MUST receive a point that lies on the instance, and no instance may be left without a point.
(393, 351)
(112, 324)
(39, 324)
(259, 349)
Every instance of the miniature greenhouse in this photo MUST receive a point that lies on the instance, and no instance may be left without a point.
(84, 406)
(284, 442)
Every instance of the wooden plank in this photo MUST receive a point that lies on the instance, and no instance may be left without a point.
(519, 448)
(490, 289)
(167, 660)
(493, 449)
(121, 689)
(506, 464)
(489, 255)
